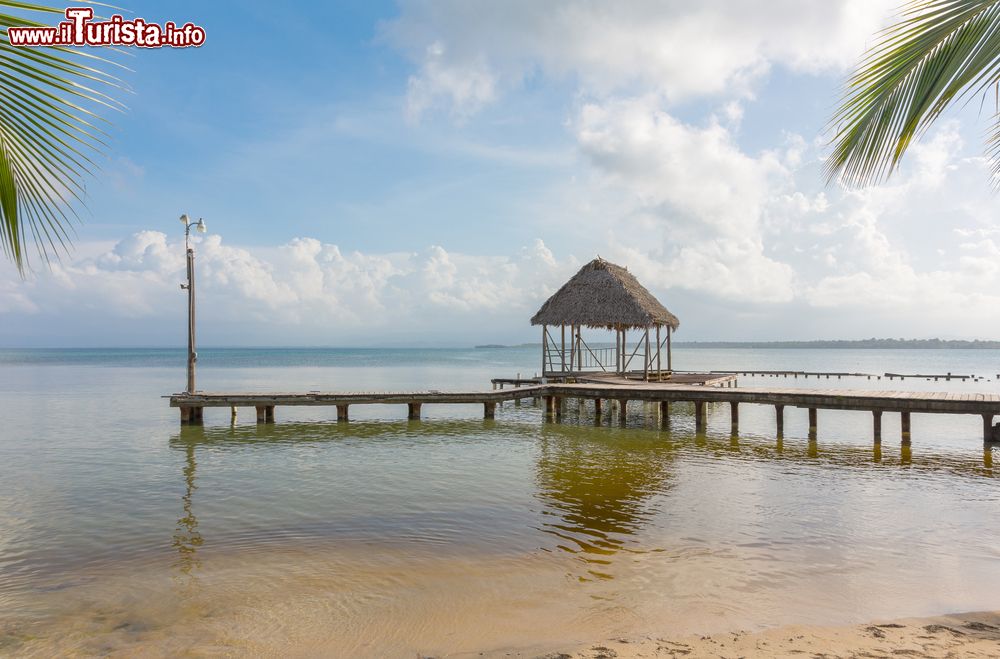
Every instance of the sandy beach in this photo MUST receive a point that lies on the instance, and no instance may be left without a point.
(957, 635)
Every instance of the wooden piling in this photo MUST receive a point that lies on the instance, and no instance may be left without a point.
(232, 417)
(489, 410)
(269, 414)
(779, 419)
(734, 416)
(597, 407)
(877, 426)
(413, 411)
(664, 413)
(342, 413)
(812, 422)
(904, 419)
(700, 420)
(261, 414)
(622, 410)
(185, 415)
(987, 427)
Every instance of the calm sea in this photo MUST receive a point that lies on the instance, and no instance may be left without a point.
(121, 532)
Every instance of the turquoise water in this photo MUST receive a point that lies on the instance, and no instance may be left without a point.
(122, 532)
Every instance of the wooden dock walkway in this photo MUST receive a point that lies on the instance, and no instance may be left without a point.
(877, 403)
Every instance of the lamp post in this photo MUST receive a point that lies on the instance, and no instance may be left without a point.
(189, 286)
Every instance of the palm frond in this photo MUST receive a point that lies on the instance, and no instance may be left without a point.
(940, 52)
(52, 133)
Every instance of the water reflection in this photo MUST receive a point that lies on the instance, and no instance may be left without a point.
(597, 489)
(187, 539)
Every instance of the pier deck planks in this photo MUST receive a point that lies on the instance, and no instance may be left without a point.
(840, 399)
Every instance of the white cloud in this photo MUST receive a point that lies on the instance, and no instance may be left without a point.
(302, 291)
(468, 52)
(689, 196)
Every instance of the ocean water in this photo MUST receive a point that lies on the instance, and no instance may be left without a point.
(123, 533)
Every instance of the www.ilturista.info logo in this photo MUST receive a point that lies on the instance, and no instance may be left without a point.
(80, 30)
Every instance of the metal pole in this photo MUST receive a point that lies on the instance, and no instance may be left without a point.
(192, 355)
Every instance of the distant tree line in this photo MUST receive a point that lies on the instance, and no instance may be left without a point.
(875, 344)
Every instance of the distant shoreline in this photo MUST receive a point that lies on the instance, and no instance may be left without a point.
(863, 344)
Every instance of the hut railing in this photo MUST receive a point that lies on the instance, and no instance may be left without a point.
(582, 358)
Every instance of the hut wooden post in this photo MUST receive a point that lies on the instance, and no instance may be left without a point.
(545, 346)
(579, 349)
(645, 359)
(624, 352)
(618, 351)
(562, 352)
(657, 352)
(670, 363)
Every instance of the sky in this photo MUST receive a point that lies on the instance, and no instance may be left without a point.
(427, 173)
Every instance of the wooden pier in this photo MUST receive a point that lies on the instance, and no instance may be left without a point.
(876, 403)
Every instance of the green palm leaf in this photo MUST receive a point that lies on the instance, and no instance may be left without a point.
(940, 52)
(51, 134)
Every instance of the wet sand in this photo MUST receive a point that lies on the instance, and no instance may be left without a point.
(957, 635)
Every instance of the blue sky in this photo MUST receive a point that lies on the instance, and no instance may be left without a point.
(426, 173)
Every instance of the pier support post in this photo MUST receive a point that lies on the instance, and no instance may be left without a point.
(232, 417)
(342, 413)
(261, 414)
(269, 414)
(700, 420)
(779, 420)
(877, 426)
(904, 422)
(489, 410)
(664, 413)
(413, 411)
(812, 422)
(734, 415)
(987, 427)
(597, 407)
(622, 410)
(550, 406)
(558, 406)
(185, 415)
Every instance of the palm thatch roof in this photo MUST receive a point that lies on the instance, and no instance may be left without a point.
(603, 294)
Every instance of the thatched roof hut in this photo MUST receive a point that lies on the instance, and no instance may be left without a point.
(608, 296)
